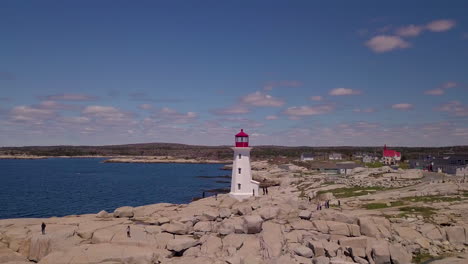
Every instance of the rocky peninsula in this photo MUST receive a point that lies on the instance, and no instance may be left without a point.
(375, 216)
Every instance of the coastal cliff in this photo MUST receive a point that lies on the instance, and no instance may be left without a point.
(375, 216)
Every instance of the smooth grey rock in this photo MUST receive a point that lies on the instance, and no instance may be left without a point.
(252, 224)
(124, 211)
(304, 251)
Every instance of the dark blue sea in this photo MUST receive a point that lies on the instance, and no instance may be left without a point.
(59, 187)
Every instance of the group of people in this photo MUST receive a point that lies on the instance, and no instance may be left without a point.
(325, 204)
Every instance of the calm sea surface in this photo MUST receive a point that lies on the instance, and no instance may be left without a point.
(58, 187)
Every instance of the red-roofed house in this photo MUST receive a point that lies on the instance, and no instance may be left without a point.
(390, 156)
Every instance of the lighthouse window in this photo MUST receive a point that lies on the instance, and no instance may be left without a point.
(239, 170)
(240, 156)
(238, 186)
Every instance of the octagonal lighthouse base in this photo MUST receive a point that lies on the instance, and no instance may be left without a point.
(242, 185)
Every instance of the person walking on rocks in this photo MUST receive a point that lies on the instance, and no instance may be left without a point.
(43, 226)
(128, 231)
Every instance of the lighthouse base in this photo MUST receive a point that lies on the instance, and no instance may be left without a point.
(242, 196)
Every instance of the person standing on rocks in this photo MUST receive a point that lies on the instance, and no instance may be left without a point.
(128, 231)
(43, 226)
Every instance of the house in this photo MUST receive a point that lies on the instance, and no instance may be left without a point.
(369, 158)
(346, 168)
(307, 156)
(335, 156)
(453, 164)
(390, 156)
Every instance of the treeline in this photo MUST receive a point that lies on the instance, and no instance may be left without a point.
(219, 152)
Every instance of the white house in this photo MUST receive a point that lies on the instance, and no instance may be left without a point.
(307, 156)
(242, 185)
(335, 156)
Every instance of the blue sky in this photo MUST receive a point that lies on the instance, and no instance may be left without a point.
(288, 72)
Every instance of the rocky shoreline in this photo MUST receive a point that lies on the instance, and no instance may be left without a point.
(376, 216)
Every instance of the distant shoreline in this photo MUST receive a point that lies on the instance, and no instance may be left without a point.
(124, 159)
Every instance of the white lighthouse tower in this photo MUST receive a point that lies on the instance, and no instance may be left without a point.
(242, 185)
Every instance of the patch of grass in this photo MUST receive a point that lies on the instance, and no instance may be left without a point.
(328, 183)
(432, 199)
(377, 164)
(372, 206)
(426, 212)
(404, 165)
(421, 257)
(352, 191)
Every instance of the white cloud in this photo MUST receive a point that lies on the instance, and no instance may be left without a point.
(27, 113)
(271, 117)
(344, 91)
(145, 106)
(409, 31)
(261, 99)
(385, 43)
(71, 97)
(232, 110)
(170, 115)
(441, 90)
(441, 25)
(316, 98)
(300, 111)
(402, 106)
(448, 85)
(437, 91)
(364, 110)
(454, 107)
(287, 83)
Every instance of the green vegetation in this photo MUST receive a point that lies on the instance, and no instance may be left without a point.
(372, 206)
(377, 164)
(353, 191)
(421, 257)
(432, 199)
(404, 165)
(426, 212)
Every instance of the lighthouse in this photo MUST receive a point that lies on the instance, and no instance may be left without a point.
(242, 185)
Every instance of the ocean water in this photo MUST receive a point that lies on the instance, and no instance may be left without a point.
(59, 187)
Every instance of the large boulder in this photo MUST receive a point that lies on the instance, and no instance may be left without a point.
(8, 255)
(304, 251)
(227, 227)
(181, 243)
(273, 238)
(368, 228)
(175, 228)
(317, 247)
(337, 228)
(212, 246)
(252, 224)
(57, 237)
(399, 254)
(455, 234)
(203, 226)
(380, 252)
(104, 253)
(125, 211)
(268, 212)
(103, 214)
(305, 214)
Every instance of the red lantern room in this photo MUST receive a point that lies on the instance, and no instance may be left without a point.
(242, 139)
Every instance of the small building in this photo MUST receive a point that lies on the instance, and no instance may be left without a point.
(346, 168)
(307, 156)
(369, 158)
(242, 185)
(453, 164)
(390, 156)
(335, 156)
